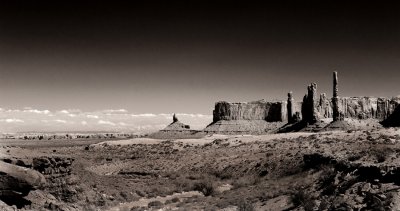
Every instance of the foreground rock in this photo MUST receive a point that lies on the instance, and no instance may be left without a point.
(16, 182)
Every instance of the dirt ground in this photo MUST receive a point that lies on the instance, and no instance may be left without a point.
(336, 170)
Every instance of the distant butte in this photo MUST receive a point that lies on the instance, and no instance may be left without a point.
(314, 113)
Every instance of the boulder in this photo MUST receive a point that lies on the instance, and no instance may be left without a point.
(16, 182)
(19, 179)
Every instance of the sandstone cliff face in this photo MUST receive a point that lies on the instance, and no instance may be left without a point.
(349, 107)
(360, 107)
(257, 110)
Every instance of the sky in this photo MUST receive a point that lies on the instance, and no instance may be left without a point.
(158, 58)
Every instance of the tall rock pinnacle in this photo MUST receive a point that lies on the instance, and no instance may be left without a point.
(174, 118)
(309, 106)
(335, 99)
(290, 107)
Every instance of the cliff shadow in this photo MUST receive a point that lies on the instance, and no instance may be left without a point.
(393, 120)
(292, 127)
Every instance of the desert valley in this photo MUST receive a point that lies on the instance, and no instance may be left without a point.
(321, 153)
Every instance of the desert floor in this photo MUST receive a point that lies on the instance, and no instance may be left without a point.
(336, 170)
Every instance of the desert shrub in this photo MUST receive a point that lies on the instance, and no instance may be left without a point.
(175, 199)
(246, 181)
(205, 186)
(137, 208)
(244, 205)
(222, 174)
(140, 193)
(156, 204)
(302, 198)
(354, 157)
(380, 153)
(327, 178)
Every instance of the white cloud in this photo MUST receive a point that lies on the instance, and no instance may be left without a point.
(31, 119)
(13, 120)
(13, 111)
(143, 115)
(115, 110)
(102, 122)
(37, 111)
(194, 115)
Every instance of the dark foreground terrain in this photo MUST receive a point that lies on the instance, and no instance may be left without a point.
(346, 170)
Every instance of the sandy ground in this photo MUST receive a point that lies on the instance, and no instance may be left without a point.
(332, 170)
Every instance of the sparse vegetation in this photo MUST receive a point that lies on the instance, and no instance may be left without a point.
(251, 176)
(302, 198)
(205, 186)
(244, 205)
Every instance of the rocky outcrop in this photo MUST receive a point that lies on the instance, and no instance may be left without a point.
(290, 107)
(174, 118)
(336, 114)
(176, 130)
(309, 108)
(361, 108)
(324, 107)
(257, 110)
(312, 109)
(16, 182)
(176, 125)
(18, 179)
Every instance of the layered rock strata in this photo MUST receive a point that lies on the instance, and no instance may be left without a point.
(257, 110)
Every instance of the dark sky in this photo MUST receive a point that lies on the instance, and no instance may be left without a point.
(180, 57)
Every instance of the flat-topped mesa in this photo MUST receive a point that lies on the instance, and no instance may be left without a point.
(309, 106)
(257, 110)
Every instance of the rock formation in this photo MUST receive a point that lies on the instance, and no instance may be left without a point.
(324, 106)
(174, 118)
(309, 108)
(311, 113)
(289, 106)
(19, 179)
(16, 182)
(363, 107)
(176, 125)
(257, 110)
(335, 99)
(175, 130)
